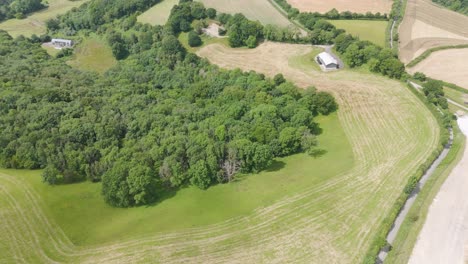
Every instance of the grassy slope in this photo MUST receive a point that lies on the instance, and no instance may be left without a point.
(373, 31)
(158, 14)
(80, 211)
(412, 225)
(34, 24)
(93, 54)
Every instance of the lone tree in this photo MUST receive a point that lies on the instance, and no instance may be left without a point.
(194, 39)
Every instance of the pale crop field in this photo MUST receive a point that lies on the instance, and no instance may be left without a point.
(373, 31)
(35, 23)
(158, 14)
(427, 25)
(303, 209)
(358, 6)
(260, 10)
(448, 65)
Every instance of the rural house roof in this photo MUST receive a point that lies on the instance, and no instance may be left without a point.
(327, 59)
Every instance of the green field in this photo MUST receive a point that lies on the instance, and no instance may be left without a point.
(373, 31)
(34, 23)
(260, 10)
(86, 219)
(93, 54)
(455, 95)
(158, 14)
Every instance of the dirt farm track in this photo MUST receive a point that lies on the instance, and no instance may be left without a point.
(427, 25)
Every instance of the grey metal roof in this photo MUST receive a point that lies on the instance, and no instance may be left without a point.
(327, 59)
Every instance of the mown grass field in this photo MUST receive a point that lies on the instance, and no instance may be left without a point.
(93, 54)
(260, 10)
(388, 144)
(158, 14)
(35, 23)
(316, 209)
(370, 30)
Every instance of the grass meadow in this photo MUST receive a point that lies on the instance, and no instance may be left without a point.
(370, 30)
(93, 54)
(79, 210)
(35, 22)
(158, 14)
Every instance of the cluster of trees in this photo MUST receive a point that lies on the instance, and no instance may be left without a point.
(163, 118)
(381, 60)
(455, 5)
(93, 14)
(434, 92)
(332, 14)
(19, 8)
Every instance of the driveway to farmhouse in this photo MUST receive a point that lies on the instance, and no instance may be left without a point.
(444, 236)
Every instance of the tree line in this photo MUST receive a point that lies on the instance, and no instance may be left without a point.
(333, 14)
(455, 5)
(161, 119)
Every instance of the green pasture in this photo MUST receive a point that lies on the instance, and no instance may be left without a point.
(86, 219)
(158, 14)
(207, 40)
(93, 54)
(370, 30)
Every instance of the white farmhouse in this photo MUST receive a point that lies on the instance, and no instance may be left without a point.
(327, 61)
(62, 43)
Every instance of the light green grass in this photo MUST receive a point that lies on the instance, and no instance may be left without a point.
(370, 30)
(51, 50)
(35, 23)
(455, 95)
(207, 40)
(158, 14)
(93, 54)
(81, 212)
(412, 225)
(260, 10)
(306, 61)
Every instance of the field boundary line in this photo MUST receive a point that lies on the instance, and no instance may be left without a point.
(428, 53)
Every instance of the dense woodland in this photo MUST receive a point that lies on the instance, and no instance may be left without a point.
(456, 5)
(163, 118)
(19, 8)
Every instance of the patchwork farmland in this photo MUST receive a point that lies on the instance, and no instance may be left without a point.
(427, 25)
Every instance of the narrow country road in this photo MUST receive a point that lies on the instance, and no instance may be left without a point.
(444, 235)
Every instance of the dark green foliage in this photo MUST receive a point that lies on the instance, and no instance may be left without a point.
(211, 13)
(434, 92)
(420, 76)
(456, 5)
(19, 8)
(161, 118)
(194, 39)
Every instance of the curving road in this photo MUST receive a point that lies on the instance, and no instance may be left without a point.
(444, 235)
